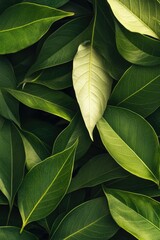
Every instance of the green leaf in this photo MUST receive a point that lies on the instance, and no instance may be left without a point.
(35, 150)
(54, 4)
(75, 130)
(12, 161)
(91, 83)
(136, 213)
(13, 233)
(137, 16)
(136, 48)
(32, 26)
(97, 170)
(137, 90)
(82, 223)
(42, 98)
(61, 46)
(56, 78)
(9, 107)
(131, 141)
(42, 188)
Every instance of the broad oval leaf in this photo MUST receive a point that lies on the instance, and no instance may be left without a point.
(136, 213)
(131, 141)
(32, 26)
(9, 107)
(75, 130)
(138, 15)
(138, 90)
(90, 220)
(61, 46)
(11, 161)
(92, 85)
(42, 98)
(97, 170)
(136, 48)
(13, 233)
(42, 188)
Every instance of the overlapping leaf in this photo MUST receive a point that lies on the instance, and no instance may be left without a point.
(137, 16)
(15, 22)
(45, 99)
(42, 188)
(136, 213)
(61, 46)
(131, 141)
(99, 169)
(54, 4)
(13, 233)
(82, 223)
(138, 90)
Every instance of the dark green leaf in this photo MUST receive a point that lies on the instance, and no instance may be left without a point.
(45, 99)
(15, 22)
(75, 130)
(90, 220)
(51, 3)
(136, 213)
(97, 170)
(61, 46)
(131, 141)
(138, 90)
(12, 161)
(42, 188)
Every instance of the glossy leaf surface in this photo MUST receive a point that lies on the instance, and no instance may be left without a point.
(135, 213)
(137, 16)
(92, 85)
(32, 26)
(138, 90)
(83, 223)
(41, 190)
(45, 99)
(136, 155)
(13, 233)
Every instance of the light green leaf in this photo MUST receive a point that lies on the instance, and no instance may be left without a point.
(136, 213)
(42, 188)
(136, 48)
(75, 130)
(138, 90)
(91, 83)
(90, 220)
(61, 46)
(9, 107)
(97, 170)
(35, 150)
(131, 141)
(138, 15)
(15, 22)
(12, 233)
(11, 161)
(45, 99)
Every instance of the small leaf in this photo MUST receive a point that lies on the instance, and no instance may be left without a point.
(61, 46)
(97, 170)
(7, 233)
(75, 130)
(90, 220)
(45, 99)
(131, 141)
(12, 161)
(138, 90)
(42, 188)
(92, 85)
(136, 213)
(137, 16)
(32, 26)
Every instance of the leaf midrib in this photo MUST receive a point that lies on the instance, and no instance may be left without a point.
(46, 191)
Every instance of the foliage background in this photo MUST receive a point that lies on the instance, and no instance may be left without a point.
(79, 119)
